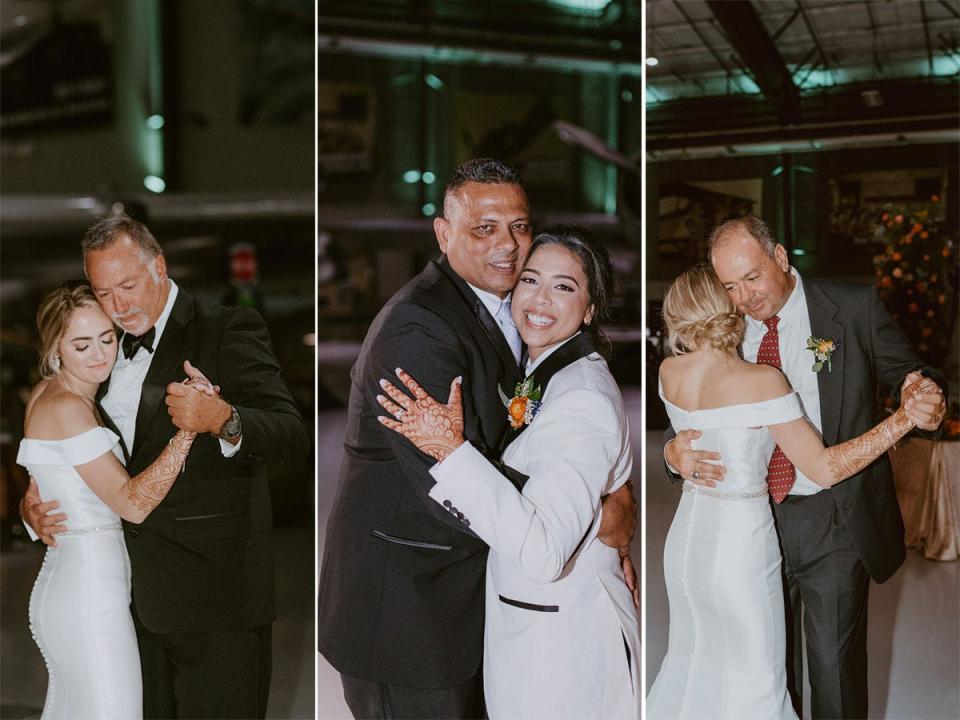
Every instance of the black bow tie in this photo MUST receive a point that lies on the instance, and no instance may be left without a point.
(132, 343)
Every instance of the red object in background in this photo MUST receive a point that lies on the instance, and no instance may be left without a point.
(243, 263)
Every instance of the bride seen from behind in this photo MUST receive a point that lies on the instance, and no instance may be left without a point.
(726, 650)
(80, 604)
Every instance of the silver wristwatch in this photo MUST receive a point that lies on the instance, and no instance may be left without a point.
(232, 429)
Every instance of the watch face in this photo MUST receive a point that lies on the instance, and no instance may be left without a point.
(231, 428)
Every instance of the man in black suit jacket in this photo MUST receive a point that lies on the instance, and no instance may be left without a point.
(833, 540)
(201, 563)
(402, 582)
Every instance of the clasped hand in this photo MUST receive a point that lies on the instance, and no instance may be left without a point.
(196, 412)
(922, 400)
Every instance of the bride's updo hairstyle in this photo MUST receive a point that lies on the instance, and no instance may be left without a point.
(698, 312)
(53, 316)
(595, 261)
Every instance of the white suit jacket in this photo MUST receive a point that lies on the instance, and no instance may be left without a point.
(559, 617)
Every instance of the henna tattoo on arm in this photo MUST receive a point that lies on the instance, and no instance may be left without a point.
(148, 489)
(854, 455)
(435, 429)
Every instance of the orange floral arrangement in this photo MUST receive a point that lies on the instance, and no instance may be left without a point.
(523, 407)
(916, 277)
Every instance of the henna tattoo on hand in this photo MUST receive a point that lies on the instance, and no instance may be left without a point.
(852, 456)
(435, 429)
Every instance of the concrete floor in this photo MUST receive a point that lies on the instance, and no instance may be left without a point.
(330, 428)
(913, 642)
(23, 677)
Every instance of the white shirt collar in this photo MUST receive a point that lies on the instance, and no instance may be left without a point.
(159, 325)
(534, 364)
(789, 314)
(490, 301)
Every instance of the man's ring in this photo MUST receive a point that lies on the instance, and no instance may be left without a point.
(696, 474)
(400, 414)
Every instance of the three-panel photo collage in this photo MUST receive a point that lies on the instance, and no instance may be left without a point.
(466, 359)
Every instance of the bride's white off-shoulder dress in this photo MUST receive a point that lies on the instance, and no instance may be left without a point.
(80, 605)
(727, 644)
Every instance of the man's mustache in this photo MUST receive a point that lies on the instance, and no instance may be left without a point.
(129, 314)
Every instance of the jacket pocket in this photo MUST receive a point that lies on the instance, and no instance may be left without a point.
(212, 526)
(529, 606)
(409, 543)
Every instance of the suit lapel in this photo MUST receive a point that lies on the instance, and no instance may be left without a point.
(822, 313)
(579, 346)
(486, 321)
(166, 367)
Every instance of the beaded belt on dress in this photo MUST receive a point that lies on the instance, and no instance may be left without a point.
(737, 495)
(89, 530)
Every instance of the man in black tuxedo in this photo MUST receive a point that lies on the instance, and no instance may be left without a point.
(833, 540)
(202, 562)
(402, 581)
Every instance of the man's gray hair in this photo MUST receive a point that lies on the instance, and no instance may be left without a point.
(106, 232)
(751, 224)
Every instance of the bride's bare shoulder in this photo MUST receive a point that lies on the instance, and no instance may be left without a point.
(766, 381)
(56, 414)
(670, 365)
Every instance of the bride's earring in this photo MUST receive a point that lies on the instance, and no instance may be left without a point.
(56, 364)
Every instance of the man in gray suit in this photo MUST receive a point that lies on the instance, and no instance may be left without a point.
(833, 540)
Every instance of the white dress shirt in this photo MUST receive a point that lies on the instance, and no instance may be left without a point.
(796, 361)
(500, 310)
(126, 383)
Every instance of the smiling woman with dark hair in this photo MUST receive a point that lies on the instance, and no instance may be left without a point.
(561, 634)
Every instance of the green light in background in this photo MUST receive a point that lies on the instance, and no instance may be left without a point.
(748, 85)
(777, 170)
(799, 251)
(155, 122)
(945, 65)
(587, 6)
(154, 184)
(615, 44)
(429, 177)
(627, 96)
(652, 61)
(433, 81)
(411, 176)
(428, 209)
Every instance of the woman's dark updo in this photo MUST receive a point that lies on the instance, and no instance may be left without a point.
(596, 265)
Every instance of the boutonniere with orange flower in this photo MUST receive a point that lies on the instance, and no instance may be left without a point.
(523, 407)
(822, 349)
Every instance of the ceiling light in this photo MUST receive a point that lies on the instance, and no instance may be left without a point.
(652, 61)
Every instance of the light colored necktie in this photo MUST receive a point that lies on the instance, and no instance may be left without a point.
(509, 328)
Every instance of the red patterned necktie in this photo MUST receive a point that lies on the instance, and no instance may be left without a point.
(781, 474)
